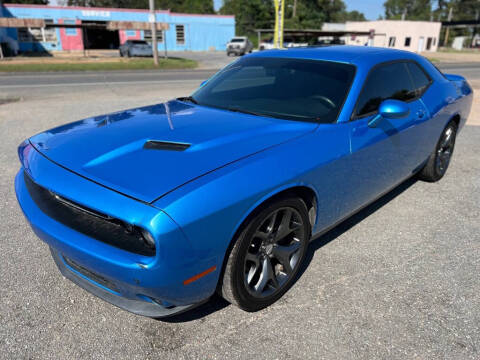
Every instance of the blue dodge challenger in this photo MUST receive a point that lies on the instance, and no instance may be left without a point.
(157, 208)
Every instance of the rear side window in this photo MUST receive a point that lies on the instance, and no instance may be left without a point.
(389, 81)
(419, 78)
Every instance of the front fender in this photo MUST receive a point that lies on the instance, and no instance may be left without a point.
(211, 209)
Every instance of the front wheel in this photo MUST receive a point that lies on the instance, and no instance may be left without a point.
(439, 160)
(267, 255)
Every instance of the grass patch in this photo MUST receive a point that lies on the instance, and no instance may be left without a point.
(463, 51)
(123, 64)
(8, 99)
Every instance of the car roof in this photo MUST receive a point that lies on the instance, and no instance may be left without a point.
(357, 55)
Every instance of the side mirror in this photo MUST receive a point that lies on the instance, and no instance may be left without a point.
(390, 109)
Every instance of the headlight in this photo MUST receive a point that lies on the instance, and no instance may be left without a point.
(148, 239)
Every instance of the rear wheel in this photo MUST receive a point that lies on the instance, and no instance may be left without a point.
(439, 160)
(267, 255)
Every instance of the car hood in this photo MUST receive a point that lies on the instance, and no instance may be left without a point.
(146, 152)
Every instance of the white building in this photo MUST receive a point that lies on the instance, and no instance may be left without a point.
(415, 36)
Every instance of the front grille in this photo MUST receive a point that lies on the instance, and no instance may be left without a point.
(88, 221)
(90, 274)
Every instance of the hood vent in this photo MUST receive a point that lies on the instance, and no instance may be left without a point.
(165, 145)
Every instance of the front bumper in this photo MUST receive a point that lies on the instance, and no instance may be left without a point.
(145, 285)
(236, 51)
(139, 307)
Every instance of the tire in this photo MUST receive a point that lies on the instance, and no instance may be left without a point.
(128, 53)
(121, 53)
(437, 163)
(266, 255)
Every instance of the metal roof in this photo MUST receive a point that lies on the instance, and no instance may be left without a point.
(316, 32)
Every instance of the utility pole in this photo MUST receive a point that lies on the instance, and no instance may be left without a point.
(279, 19)
(294, 10)
(164, 44)
(447, 30)
(153, 22)
(1, 50)
(404, 14)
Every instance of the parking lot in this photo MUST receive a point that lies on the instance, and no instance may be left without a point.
(398, 280)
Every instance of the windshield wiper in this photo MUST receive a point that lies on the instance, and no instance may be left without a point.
(246, 112)
(188, 99)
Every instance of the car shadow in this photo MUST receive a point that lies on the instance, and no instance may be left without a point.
(216, 302)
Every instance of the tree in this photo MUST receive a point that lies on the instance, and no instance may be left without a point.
(461, 10)
(411, 9)
(354, 15)
(183, 6)
(299, 14)
(250, 14)
(31, 2)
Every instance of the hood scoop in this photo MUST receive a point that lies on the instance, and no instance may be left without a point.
(165, 145)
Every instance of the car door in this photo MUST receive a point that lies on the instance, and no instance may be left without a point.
(384, 155)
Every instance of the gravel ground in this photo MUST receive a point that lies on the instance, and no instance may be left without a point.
(399, 280)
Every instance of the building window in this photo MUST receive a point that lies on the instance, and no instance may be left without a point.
(28, 35)
(407, 41)
(180, 30)
(70, 31)
(131, 33)
(429, 43)
(147, 35)
(391, 41)
(434, 41)
(49, 34)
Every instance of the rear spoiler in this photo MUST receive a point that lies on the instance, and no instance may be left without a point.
(460, 82)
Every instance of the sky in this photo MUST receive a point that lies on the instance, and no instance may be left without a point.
(371, 8)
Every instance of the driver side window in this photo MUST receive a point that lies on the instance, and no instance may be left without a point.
(389, 81)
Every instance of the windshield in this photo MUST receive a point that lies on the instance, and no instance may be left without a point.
(237, 40)
(139, 42)
(293, 89)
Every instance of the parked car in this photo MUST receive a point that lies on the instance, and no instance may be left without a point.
(239, 45)
(287, 43)
(156, 208)
(266, 45)
(136, 48)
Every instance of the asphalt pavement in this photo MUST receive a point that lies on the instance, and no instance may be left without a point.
(400, 280)
(66, 79)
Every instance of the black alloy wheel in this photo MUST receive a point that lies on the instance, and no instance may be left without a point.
(267, 255)
(445, 150)
(438, 162)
